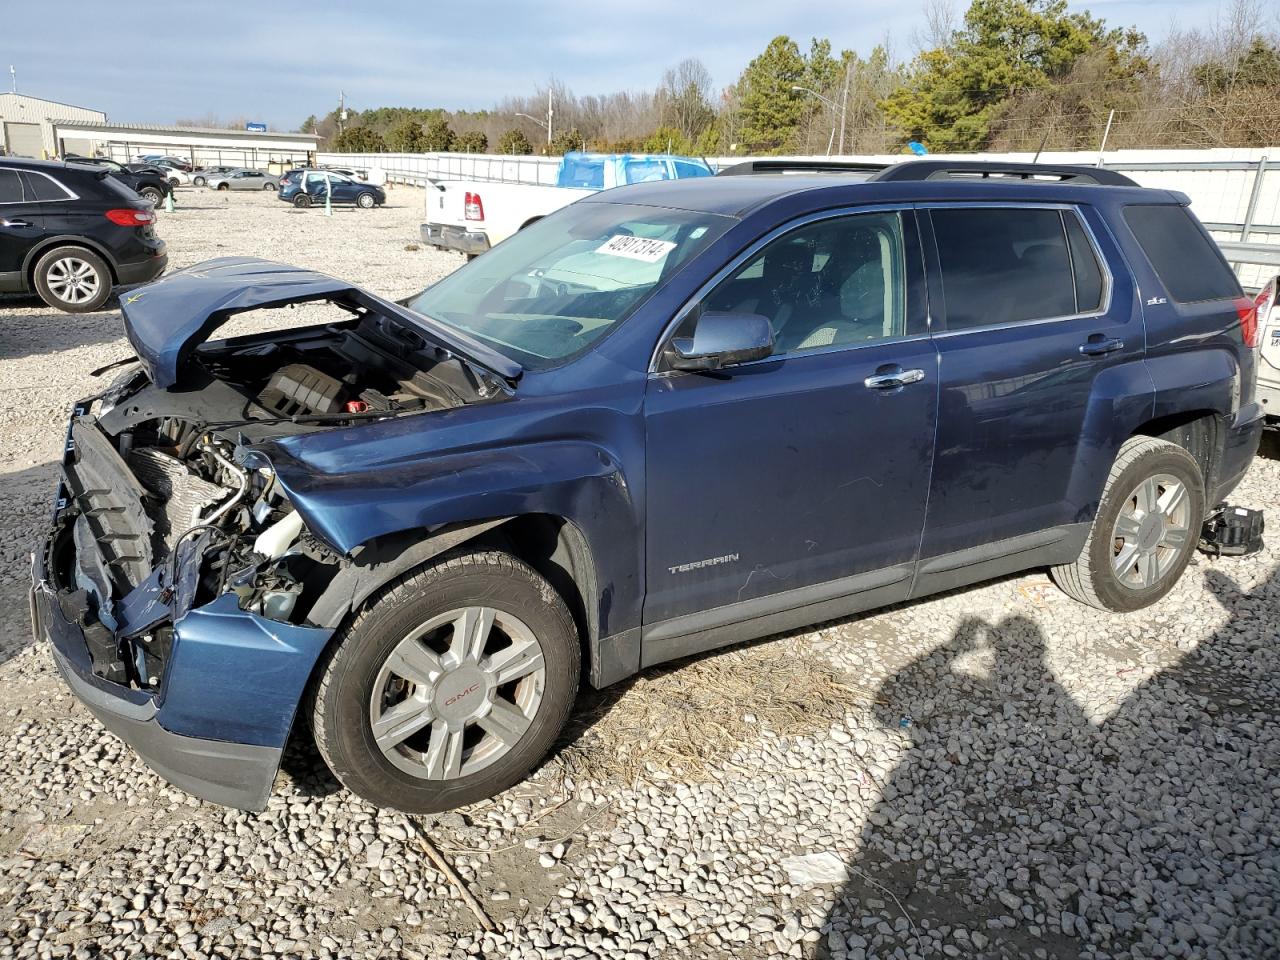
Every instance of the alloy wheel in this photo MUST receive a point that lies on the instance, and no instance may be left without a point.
(1150, 532)
(457, 693)
(73, 280)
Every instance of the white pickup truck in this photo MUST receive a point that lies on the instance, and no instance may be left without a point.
(470, 216)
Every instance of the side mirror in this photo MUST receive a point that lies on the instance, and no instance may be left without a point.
(721, 340)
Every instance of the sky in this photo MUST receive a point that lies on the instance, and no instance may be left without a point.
(277, 61)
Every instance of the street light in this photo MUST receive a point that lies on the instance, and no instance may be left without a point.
(839, 107)
(545, 124)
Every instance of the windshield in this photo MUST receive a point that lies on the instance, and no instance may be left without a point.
(548, 292)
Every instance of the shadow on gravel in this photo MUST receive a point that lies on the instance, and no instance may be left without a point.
(1151, 828)
(1270, 446)
(34, 328)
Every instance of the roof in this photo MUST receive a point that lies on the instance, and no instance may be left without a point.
(57, 103)
(202, 131)
(738, 195)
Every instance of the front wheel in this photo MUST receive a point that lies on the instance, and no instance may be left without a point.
(1146, 528)
(154, 194)
(365, 200)
(73, 279)
(450, 686)
(302, 200)
(224, 186)
(269, 186)
(198, 181)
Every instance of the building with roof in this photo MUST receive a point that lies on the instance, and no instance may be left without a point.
(200, 146)
(26, 125)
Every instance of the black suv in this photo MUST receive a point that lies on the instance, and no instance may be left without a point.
(146, 181)
(71, 232)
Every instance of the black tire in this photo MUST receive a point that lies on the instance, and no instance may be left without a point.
(198, 181)
(174, 182)
(154, 194)
(344, 687)
(50, 278)
(366, 201)
(269, 186)
(224, 186)
(1092, 579)
(302, 200)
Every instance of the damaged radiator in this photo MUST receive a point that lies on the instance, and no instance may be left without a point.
(181, 497)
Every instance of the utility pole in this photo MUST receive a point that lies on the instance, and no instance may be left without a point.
(549, 113)
(844, 104)
(13, 77)
(342, 110)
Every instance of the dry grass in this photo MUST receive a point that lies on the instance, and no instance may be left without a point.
(680, 720)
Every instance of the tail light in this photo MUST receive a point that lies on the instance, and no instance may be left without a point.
(130, 217)
(1263, 304)
(473, 207)
(1247, 310)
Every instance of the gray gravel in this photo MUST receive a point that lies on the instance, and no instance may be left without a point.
(1020, 776)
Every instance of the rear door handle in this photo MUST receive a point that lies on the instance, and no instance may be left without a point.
(888, 379)
(15, 223)
(1098, 345)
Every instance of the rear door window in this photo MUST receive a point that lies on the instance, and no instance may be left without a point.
(10, 187)
(1008, 265)
(1181, 253)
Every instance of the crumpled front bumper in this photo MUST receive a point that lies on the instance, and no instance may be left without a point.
(450, 237)
(218, 725)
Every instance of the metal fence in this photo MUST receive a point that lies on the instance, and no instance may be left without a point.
(1236, 193)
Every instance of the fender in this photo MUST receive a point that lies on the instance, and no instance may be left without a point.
(71, 239)
(474, 490)
(1128, 395)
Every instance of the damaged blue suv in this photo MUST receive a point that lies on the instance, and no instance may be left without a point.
(667, 418)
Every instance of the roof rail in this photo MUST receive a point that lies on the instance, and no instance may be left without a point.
(801, 166)
(996, 170)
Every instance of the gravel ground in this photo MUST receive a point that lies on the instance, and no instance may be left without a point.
(1012, 775)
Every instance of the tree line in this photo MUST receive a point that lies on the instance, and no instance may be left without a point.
(1007, 75)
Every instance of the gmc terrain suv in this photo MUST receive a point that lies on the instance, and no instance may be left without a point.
(668, 417)
(70, 232)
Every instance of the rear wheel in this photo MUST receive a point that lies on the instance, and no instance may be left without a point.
(198, 181)
(73, 279)
(302, 200)
(450, 686)
(1146, 528)
(269, 186)
(365, 200)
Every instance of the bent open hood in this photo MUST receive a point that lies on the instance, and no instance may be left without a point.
(166, 320)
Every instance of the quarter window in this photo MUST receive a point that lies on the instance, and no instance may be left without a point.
(1011, 265)
(42, 188)
(837, 282)
(1183, 256)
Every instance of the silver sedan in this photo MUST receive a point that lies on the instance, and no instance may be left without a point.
(245, 180)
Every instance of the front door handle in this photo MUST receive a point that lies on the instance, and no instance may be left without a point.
(15, 223)
(1098, 345)
(888, 379)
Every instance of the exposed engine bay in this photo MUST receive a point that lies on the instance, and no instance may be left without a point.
(165, 506)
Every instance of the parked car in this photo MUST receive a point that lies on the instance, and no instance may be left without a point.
(669, 417)
(351, 172)
(202, 176)
(160, 159)
(470, 216)
(70, 232)
(244, 180)
(312, 186)
(145, 182)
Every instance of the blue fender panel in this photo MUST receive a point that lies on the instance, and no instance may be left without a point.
(1120, 402)
(1198, 380)
(236, 676)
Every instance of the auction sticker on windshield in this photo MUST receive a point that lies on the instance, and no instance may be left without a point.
(636, 248)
